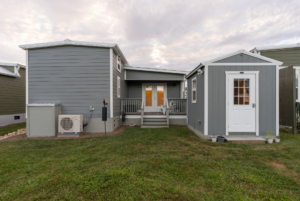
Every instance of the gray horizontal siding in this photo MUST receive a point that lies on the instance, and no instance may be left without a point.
(217, 97)
(289, 57)
(135, 89)
(242, 58)
(157, 76)
(123, 85)
(76, 77)
(196, 110)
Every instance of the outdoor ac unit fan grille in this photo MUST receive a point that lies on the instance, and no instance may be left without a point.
(66, 123)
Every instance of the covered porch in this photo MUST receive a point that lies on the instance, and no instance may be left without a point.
(154, 97)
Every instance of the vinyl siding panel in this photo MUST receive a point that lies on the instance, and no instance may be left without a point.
(13, 93)
(196, 110)
(289, 57)
(123, 86)
(152, 76)
(242, 58)
(135, 89)
(76, 77)
(217, 97)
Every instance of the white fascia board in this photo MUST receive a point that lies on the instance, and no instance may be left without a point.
(155, 70)
(242, 64)
(206, 101)
(276, 47)
(111, 83)
(12, 64)
(75, 43)
(242, 52)
(27, 97)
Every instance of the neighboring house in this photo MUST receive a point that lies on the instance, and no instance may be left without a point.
(289, 75)
(234, 95)
(78, 75)
(12, 93)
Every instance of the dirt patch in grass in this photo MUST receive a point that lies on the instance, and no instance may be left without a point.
(85, 135)
(279, 165)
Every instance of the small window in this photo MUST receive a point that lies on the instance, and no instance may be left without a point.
(118, 87)
(16, 117)
(241, 91)
(119, 64)
(194, 90)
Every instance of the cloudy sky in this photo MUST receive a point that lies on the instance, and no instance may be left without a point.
(152, 33)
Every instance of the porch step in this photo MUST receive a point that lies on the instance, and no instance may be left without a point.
(245, 139)
(155, 120)
(155, 126)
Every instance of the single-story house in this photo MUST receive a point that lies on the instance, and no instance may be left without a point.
(12, 93)
(78, 75)
(289, 87)
(234, 95)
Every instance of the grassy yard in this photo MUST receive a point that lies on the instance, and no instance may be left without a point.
(149, 164)
(9, 129)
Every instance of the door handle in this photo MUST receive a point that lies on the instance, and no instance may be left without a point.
(253, 105)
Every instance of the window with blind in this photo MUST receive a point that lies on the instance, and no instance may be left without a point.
(194, 90)
(118, 87)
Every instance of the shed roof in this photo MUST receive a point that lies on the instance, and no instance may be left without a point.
(275, 47)
(156, 70)
(76, 43)
(232, 54)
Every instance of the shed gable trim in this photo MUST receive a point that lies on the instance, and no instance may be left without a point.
(242, 52)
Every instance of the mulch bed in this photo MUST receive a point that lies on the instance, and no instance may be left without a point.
(84, 135)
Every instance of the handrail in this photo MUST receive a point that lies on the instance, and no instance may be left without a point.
(142, 113)
(131, 105)
(167, 112)
(178, 106)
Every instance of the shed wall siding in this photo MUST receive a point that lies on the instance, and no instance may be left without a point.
(196, 110)
(123, 86)
(13, 93)
(242, 58)
(135, 89)
(217, 97)
(146, 75)
(76, 77)
(289, 57)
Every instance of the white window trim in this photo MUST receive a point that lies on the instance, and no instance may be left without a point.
(118, 87)
(194, 101)
(119, 62)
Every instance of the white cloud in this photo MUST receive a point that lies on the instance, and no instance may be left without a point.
(169, 33)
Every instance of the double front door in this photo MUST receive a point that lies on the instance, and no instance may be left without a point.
(154, 96)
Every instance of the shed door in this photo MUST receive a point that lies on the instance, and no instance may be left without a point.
(242, 102)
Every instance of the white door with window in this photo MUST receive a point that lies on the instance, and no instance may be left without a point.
(154, 96)
(242, 101)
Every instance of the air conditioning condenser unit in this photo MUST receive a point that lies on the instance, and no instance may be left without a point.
(70, 124)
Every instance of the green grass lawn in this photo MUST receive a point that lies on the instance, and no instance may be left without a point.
(9, 129)
(149, 164)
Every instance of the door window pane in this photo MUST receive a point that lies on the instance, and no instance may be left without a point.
(241, 91)
(148, 95)
(160, 95)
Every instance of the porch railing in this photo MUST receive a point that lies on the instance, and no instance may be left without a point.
(131, 105)
(177, 105)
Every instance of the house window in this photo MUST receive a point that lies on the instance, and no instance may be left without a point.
(118, 87)
(119, 64)
(194, 90)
